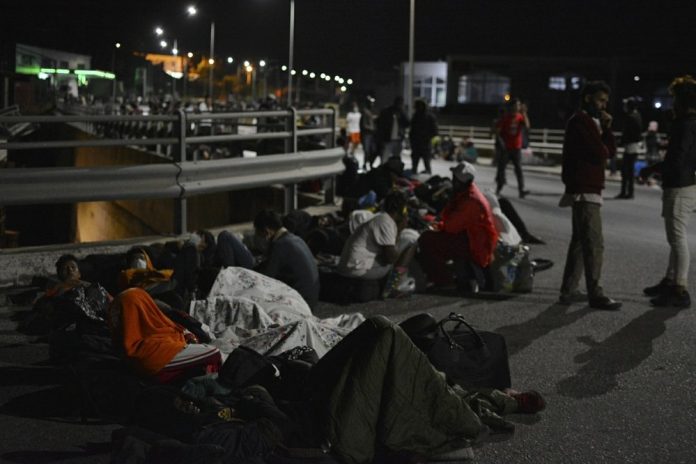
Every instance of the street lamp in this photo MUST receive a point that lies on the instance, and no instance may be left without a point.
(193, 11)
(159, 30)
(291, 48)
(230, 60)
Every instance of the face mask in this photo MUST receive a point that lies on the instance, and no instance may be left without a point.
(139, 264)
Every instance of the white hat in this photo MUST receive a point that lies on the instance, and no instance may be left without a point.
(464, 172)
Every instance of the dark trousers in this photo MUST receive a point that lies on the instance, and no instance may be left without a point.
(231, 251)
(585, 251)
(515, 157)
(627, 173)
(416, 156)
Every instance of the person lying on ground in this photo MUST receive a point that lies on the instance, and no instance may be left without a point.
(154, 345)
(372, 396)
(288, 258)
(372, 252)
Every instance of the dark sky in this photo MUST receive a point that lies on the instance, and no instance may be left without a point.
(343, 36)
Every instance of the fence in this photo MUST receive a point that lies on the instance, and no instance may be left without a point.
(181, 175)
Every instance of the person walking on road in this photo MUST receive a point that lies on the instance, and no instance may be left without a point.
(367, 134)
(510, 128)
(679, 194)
(423, 129)
(632, 140)
(588, 143)
(391, 127)
(353, 126)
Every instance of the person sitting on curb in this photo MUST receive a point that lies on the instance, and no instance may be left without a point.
(372, 251)
(288, 258)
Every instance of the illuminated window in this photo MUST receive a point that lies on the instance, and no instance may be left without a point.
(483, 87)
(557, 83)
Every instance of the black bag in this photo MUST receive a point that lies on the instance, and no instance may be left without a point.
(470, 358)
(244, 367)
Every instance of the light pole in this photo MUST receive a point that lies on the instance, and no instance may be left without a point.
(193, 11)
(410, 57)
(292, 46)
(113, 69)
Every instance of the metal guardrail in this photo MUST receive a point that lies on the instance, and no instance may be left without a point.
(180, 178)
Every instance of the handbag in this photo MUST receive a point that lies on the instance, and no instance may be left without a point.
(512, 270)
(470, 358)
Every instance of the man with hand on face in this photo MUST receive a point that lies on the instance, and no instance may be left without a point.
(588, 143)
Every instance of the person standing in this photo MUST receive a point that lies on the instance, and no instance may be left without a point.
(510, 128)
(588, 144)
(632, 140)
(367, 134)
(353, 126)
(391, 127)
(423, 129)
(678, 196)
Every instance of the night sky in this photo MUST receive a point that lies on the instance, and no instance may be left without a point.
(342, 36)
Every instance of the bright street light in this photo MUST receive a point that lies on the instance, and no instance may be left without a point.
(636, 78)
(305, 72)
(163, 43)
(211, 61)
(175, 51)
(159, 30)
(262, 63)
(246, 63)
(284, 68)
(327, 78)
(349, 81)
(230, 59)
(189, 54)
(322, 75)
(293, 72)
(312, 75)
(343, 88)
(118, 45)
(249, 68)
(336, 78)
(191, 10)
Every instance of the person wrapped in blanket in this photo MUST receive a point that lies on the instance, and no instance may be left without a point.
(153, 344)
(71, 300)
(375, 397)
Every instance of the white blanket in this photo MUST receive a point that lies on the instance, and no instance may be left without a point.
(251, 309)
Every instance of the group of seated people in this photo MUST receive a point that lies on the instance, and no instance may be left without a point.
(345, 400)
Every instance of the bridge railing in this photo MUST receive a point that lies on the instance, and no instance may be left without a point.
(180, 176)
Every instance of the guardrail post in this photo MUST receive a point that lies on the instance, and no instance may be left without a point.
(290, 200)
(330, 185)
(180, 206)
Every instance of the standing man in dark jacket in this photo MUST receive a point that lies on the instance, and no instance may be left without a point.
(391, 127)
(679, 194)
(632, 141)
(289, 258)
(423, 129)
(588, 143)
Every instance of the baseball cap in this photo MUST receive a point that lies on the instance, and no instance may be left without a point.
(464, 172)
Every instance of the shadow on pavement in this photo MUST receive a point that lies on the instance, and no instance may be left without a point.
(39, 376)
(55, 404)
(41, 457)
(520, 336)
(619, 353)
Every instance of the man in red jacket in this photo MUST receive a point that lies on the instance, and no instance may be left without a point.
(588, 143)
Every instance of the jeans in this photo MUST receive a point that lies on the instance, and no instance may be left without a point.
(515, 157)
(586, 250)
(677, 207)
(628, 165)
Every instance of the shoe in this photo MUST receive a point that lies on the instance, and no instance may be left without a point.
(573, 297)
(629, 197)
(663, 287)
(604, 303)
(529, 402)
(524, 193)
(677, 296)
(533, 240)
(621, 196)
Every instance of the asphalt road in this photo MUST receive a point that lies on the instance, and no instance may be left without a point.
(617, 384)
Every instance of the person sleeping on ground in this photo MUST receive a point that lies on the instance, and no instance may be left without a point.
(154, 345)
(373, 395)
